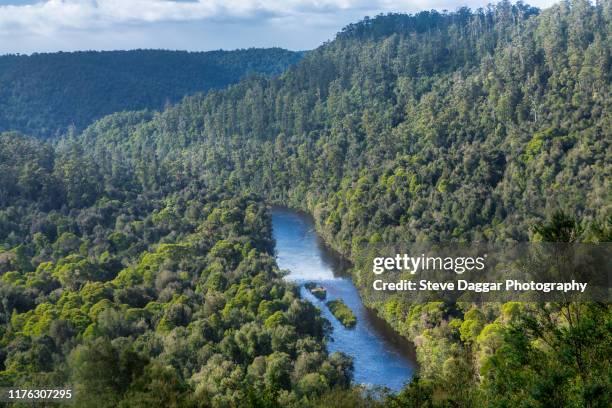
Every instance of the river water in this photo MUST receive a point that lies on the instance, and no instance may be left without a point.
(381, 357)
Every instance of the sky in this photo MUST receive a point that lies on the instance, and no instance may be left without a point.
(28, 26)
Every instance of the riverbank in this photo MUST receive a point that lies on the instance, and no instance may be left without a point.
(380, 357)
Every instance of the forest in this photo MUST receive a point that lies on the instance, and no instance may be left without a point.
(46, 95)
(142, 245)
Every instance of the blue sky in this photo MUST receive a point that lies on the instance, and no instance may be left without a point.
(28, 26)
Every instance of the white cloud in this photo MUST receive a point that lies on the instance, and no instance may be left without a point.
(49, 15)
(46, 16)
(71, 22)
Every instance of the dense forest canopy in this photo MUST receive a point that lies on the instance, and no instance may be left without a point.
(475, 131)
(45, 94)
(142, 245)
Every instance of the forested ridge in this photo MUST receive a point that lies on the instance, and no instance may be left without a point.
(486, 125)
(46, 94)
(406, 131)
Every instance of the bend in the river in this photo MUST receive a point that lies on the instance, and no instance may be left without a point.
(381, 357)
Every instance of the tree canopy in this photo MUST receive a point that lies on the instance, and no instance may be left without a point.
(47, 95)
(140, 248)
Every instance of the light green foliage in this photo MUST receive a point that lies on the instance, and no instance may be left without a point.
(183, 321)
(473, 322)
(139, 248)
(342, 312)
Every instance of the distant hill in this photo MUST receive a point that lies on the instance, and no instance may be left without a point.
(137, 259)
(44, 94)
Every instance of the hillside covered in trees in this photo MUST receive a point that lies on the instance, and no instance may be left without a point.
(487, 125)
(45, 94)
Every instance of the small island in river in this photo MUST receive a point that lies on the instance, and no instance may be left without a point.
(318, 291)
(342, 312)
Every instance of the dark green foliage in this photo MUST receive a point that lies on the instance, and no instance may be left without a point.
(45, 94)
(500, 131)
(102, 372)
(562, 228)
(169, 297)
(148, 233)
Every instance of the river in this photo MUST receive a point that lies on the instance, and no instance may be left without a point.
(381, 357)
